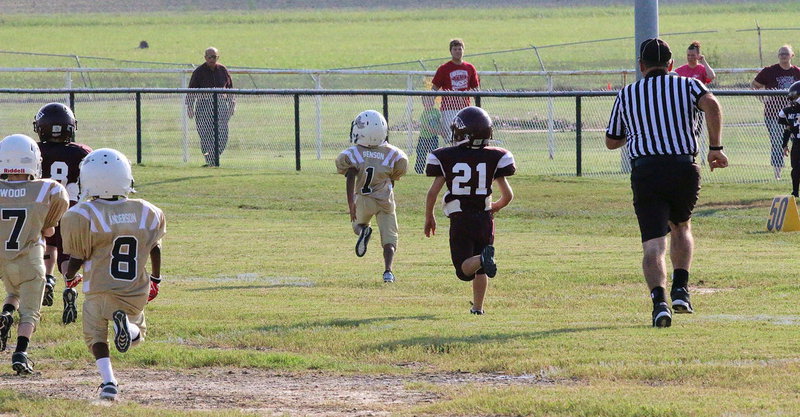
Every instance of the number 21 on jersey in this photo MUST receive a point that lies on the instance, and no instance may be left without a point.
(464, 174)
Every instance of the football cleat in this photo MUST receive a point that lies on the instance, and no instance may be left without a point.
(662, 316)
(487, 261)
(478, 312)
(70, 313)
(108, 391)
(50, 283)
(363, 239)
(388, 277)
(122, 335)
(680, 301)
(21, 363)
(6, 321)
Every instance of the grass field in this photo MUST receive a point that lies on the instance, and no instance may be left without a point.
(262, 284)
(331, 38)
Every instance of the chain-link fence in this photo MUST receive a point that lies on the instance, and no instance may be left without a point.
(306, 129)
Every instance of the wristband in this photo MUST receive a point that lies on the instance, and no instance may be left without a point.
(715, 148)
(157, 280)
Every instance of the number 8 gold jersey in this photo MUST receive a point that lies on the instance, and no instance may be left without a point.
(114, 238)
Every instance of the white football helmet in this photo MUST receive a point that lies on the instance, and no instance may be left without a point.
(106, 173)
(19, 154)
(369, 129)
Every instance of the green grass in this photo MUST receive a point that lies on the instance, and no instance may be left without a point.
(259, 272)
(346, 38)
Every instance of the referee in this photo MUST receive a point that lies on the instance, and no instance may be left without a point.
(658, 120)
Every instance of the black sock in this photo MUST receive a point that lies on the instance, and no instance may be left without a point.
(657, 294)
(8, 308)
(22, 344)
(680, 279)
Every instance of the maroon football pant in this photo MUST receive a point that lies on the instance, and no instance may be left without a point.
(470, 232)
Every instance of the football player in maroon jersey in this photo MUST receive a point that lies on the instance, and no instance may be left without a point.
(61, 158)
(469, 168)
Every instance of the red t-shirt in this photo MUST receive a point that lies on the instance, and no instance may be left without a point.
(698, 72)
(454, 77)
(776, 78)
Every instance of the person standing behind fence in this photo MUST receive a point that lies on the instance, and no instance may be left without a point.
(211, 74)
(455, 75)
(697, 67)
(430, 128)
(790, 118)
(777, 77)
(649, 118)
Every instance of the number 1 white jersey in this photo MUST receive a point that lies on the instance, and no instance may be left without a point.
(377, 167)
(114, 238)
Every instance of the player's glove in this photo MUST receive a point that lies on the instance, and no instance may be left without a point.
(72, 283)
(154, 282)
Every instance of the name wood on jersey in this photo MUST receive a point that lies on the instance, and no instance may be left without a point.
(373, 155)
(18, 192)
(123, 218)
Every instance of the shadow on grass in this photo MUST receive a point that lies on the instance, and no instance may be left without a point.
(343, 323)
(432, 344)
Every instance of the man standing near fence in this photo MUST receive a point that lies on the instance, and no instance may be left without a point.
(211, 74)
(455, 75)
(657, 118)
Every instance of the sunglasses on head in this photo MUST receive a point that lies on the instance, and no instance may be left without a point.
(212, 56)
(784, 54)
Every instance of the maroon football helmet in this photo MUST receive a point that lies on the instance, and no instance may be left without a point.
(472, 127)
(55, 122)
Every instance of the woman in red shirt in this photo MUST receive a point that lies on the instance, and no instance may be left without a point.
(697, 67)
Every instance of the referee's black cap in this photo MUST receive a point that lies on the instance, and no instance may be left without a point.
(655, 52)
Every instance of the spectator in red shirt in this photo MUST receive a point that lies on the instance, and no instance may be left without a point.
(455, 75)
(777, 77)
(697, 67)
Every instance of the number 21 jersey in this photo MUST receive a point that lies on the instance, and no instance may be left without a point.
(114, 238)
(469, 174)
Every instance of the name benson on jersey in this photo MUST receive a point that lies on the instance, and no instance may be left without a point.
(7, 192)
(374, 155)
(123, 218)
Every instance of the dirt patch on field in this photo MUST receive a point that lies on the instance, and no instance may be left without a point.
(263, 392)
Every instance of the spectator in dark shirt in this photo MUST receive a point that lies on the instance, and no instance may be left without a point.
(211, 74)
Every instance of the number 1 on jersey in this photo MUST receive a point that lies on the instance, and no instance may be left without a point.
(366, 189)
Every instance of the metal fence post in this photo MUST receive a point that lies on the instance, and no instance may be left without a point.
(297, 132)
(216, 128)
(386, 107)
(72, 102)
(138, 128)
(578, 138)
(477, 101)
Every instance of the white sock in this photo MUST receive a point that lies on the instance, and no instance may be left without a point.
(104, 366)
(134, 331)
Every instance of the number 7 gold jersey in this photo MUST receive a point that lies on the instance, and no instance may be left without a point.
(27, 207)
(114, 238)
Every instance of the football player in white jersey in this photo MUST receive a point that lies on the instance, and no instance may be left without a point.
(371, 167)
(112, 237)
(29, 211)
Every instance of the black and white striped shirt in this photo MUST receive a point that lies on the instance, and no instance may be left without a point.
(658, 115)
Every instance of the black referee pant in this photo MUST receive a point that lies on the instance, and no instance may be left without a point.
(665, 189)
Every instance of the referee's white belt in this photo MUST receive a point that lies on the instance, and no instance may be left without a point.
(652, 159)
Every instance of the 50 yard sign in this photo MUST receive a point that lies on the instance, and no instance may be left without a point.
(783, 215)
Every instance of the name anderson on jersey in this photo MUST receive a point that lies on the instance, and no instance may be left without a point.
(122, 218)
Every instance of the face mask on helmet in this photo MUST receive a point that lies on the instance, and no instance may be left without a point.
(369, 129)
(55, 122)
(19, 154)
(106, 173)
(472, 127)
(794, 92)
